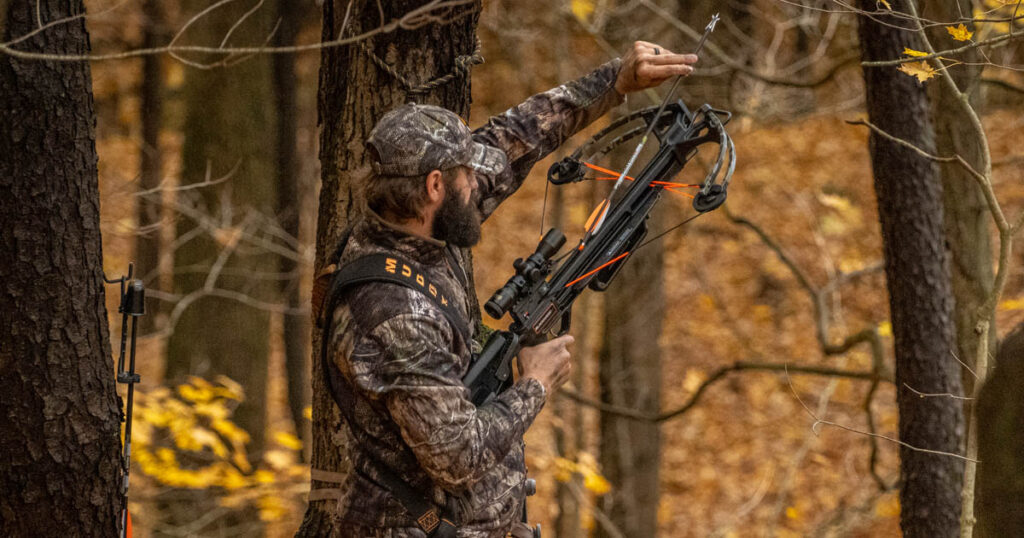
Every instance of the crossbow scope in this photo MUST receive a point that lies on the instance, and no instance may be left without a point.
(529, 272)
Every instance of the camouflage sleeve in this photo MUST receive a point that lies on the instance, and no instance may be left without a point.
(455, 442)
(531, 130)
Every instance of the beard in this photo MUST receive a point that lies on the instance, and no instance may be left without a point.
(457, 223)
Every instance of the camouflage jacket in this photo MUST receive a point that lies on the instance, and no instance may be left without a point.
(405, 362)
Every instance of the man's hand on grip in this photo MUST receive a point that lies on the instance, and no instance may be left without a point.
(547, 362)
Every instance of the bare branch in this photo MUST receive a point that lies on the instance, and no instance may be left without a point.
(712, 379)
(411, 20)
(818, 421)
(955, 158)
(935, 394)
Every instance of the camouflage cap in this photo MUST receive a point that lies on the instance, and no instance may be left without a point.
(413, 140)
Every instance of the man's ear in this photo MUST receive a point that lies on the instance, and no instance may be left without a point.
(435, 187)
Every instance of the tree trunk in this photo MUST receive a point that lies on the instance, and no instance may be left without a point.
(967, 216)
(1001, 444)
(59, 428)
(147, 241)
(296, 326)
(228, 116)
(630, 376)
(909, 197)
(354, 94)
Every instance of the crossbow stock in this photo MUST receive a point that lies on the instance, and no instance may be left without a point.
(540, 295)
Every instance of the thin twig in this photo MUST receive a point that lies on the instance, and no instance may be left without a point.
(411, 20)
(935, 394)
(713, 378)
(818, 421)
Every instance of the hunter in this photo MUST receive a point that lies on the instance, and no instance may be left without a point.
(426, 461)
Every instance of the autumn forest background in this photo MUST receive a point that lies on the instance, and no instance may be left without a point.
(829, 354)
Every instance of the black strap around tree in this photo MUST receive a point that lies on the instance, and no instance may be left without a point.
(396, 270)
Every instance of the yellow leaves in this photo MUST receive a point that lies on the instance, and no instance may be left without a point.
(308, 412)
(959, 33)
(190, 441)
(278, 459)
(921, 70)
(199, 390)
(885, 329)
(585, 466)
(914, 53)
(271, 508)
(582, 9)
(231, 431)
(693, 380)
(1012, 304)
(886, 4)
(288, 440)
(792, 513)
(888, 505)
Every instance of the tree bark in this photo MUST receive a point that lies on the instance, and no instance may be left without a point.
(228, 116)
(147, 209)
(967, 215)
(354, 93)
(630, 376)
(296, 326)
(59, 428)
(909, 196)
(1000, 415)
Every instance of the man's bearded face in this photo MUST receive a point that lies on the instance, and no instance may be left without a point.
(456, 222)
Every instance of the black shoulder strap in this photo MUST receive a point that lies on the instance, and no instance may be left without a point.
(398, 270)
(394, 269)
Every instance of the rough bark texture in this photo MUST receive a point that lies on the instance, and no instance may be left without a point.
(229, 114)
(967, 215)
(630, 376)
(59, 415)
(909, 197)
(147, 244)
(296, 326)
(1000, 503)
(354, 93)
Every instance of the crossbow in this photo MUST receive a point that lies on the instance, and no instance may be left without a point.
(540, 295)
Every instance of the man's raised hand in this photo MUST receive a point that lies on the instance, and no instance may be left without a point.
(647, 65)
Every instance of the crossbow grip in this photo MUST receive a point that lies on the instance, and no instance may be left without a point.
(491, 371)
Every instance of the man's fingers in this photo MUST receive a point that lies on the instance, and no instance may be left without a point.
(662, 71)
(564, 340)
(669, 59)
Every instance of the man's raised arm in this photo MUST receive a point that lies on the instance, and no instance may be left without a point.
(531, 130)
